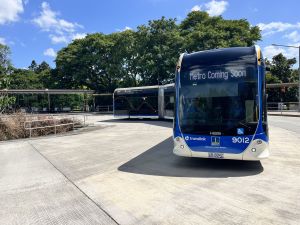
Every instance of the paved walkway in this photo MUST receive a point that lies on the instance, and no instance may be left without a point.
(126, 173)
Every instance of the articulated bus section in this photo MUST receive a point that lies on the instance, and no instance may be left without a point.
(149, 102)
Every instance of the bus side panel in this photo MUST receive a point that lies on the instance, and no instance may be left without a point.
(161, 103)
(176, 129)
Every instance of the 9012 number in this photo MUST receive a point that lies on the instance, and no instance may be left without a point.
(239, 140)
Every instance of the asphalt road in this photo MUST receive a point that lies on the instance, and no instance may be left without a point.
(124, 172)
(287, 123)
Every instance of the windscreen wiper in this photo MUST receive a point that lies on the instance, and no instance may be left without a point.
(240, 122)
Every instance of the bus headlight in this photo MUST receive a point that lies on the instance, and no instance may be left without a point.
(253, 149)
(177, 138)
(182, 146)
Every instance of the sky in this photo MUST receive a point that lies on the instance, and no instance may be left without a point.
(37, 29)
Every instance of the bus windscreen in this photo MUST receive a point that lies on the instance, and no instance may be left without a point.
(218, 100)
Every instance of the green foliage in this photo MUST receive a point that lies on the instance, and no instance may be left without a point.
(88, 62)
(5, 99)
(145, 56)
(148, 55)
(282, 68)
(158, 48)
(201, 32)
(282, 72)
(5, 63)
(5, 67)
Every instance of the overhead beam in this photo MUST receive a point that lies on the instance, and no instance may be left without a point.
(47, 91)
(279, 85)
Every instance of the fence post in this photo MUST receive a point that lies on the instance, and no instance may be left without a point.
(54, 120)
(73, 122)
(30, 130)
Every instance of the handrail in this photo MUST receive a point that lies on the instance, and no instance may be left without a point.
(55, 125)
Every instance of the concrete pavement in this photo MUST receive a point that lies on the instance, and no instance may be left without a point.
(284, 113)
(126, 171)
(33, 191)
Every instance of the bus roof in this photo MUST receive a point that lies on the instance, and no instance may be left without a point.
(136, 88)
(168, 85)
(220, 56)
(145, 87)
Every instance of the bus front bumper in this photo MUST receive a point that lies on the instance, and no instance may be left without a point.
(257, 150)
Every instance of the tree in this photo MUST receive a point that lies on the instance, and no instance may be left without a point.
(5, 69)
(5, 99)
(89, 62)
(25, 79)
(5, 63)
(282, 72)
(158, 48)
(126, 57)
(201, 32)
(33, 66)
(148, 55)
(282, 68)
(42, 67)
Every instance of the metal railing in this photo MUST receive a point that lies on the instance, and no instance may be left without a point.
(54, 123)
(104, 108)
(44, 124)
(283, 107)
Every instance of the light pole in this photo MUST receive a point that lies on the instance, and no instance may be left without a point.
(291, 46)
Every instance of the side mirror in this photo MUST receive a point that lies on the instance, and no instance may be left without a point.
(268, 69)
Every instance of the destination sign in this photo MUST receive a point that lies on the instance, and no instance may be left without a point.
(196, 75)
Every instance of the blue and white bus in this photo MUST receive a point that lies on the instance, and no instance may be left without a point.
(220, 107)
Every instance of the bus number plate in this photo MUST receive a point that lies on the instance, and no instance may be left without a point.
(216, 155)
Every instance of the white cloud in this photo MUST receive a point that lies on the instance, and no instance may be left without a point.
(270, 51)
(10, 10)
(2, 41)
(78, 36)
(196, 8)
(61, 31)
(50, 52)
(58, 39)
(127, 28)
(213, 8)
(275, 27)
(124, 29)
(48, 21)
(294, 36)
(216, 8)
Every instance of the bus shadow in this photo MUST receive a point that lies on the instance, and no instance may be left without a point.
(157, 122)
(160, 161)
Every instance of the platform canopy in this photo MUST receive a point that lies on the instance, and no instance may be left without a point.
(279, 85)
(47, 91)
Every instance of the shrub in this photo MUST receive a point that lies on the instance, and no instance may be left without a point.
(18, 125)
